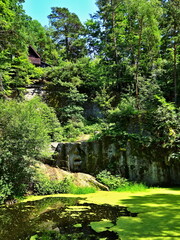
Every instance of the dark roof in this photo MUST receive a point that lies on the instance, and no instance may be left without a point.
(35, 58)
(33, 52)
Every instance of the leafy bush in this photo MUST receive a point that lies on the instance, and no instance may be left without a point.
(45, 186)
(123, 113)
(5, 190)
(166, 122)
(104, 100)
(119, 184)
(49, 118)
(112, 181)
(71, 131)
(42, 185)
(25, 129)
(148, 89)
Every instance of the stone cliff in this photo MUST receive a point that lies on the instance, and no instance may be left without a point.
(133, 161)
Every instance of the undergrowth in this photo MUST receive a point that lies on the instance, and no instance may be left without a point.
(119, 184)
(82, 190)
(132, 187)
(44, 186)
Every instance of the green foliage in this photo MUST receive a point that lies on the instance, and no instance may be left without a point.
(104, 100)
(119, 184)
(71, 131)
(82, 190)
(66, 31)
(42, 185)
(18, 73)
(45, 186)
(126, 107)
(112, 181)
(63, 92)
(52, 235)
(123, 113)
(24, 132)
(133, 187)
(158, 124)
(5, 190)
(166, 123)
(51, 122)
(148, 89)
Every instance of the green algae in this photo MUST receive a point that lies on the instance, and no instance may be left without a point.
(77, 208)
(101, 226)
(158, 212)
(48, 218)
(158, 216)
(78, 225)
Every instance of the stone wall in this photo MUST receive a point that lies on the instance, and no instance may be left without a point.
(132, 161)
(33, 91)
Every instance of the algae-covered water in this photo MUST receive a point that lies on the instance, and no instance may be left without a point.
(95, 216)
(59, 218)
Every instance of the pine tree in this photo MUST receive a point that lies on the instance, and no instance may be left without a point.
(66, 32)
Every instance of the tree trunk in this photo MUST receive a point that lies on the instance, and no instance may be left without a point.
(137, 61)
(114, 36)
(175, 67)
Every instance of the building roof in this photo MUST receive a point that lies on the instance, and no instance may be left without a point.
(35, 58)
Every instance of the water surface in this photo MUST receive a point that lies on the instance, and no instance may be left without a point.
(59, 218)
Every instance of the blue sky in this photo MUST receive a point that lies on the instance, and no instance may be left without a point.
(40, 9)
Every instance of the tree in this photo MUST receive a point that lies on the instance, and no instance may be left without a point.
(12, 50)
(127, 36)
(39, 37)
(170, 48)
(25, 129)
(63, 92)
(143, 17)
(108, 13)
(66, 32)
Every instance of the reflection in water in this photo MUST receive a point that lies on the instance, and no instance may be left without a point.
(57, 215)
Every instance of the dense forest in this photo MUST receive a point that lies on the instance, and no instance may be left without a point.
(124, 62)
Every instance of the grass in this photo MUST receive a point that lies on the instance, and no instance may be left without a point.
(82, 190)
(132, 187)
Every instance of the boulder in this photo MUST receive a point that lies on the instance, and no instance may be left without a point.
(78, 178)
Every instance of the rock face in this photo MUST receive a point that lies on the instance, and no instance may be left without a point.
(79, 179)
(134, 162)
(33, 91)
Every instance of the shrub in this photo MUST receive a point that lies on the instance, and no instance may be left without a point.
(45, 186)
(119, 184)
(112, 181)
(24, 131)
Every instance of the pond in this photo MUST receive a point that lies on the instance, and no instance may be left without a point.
(59, 218)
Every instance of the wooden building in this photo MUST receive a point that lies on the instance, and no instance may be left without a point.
(35, 58)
